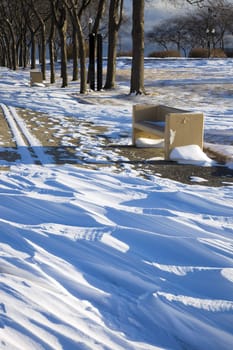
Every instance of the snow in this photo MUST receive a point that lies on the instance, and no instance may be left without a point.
(92, 258)
(146, 142)
(190, 154)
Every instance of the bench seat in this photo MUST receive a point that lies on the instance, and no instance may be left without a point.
(157, 128)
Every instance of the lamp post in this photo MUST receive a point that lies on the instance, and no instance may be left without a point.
(210, 30)
(95, 49)
(90, 25)
(91, 56)
(210, 33)
(213, 34)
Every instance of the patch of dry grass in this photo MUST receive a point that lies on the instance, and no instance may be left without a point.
(6, 139)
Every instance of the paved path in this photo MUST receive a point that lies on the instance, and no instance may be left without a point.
(28, 140)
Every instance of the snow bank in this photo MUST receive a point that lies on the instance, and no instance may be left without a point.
(94, 260)
(191, 154)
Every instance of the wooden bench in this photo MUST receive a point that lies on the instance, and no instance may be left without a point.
(175, 126)
(36, 77)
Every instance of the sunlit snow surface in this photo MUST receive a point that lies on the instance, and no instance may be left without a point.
(91, 259)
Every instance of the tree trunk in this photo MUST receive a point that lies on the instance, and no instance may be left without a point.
(81, 44)
(60, 18)
(100, 11)
(52, 52)
(20, 51)
(25, 50)
(33, 50)
(5, 56)
(115, 18)
(137, 69)
(75, 53)
(43, 51)
(13, 45)
(112, 48)
(82, 56)
(43, 40)
(64, 75)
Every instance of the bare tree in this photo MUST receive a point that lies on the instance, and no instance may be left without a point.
(99, 15)
(160, 35)
(36, 14)
(191, 2)
(75, 11)
(22, 47)
(200, 28)
(137, 69)
(8, 24)
(41, 21)
(59, 13)
(52, 50)
(114, 22)
(179, 31)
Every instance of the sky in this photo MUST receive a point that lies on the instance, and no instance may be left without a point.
(155, 11)
(98, 251)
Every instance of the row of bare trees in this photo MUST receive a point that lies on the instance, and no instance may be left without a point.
(212, 22)
(29, 28)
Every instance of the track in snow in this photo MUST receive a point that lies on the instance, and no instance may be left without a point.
(29, 147)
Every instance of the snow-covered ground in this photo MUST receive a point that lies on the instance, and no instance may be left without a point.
(94, 259)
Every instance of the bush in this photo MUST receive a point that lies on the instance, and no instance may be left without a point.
(198, 53)
(164, 54)
(204, 53)
(124, 54)
(219, 53)
(229, 52)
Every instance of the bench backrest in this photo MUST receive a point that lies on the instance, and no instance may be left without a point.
(153, 112)
(36, 77)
